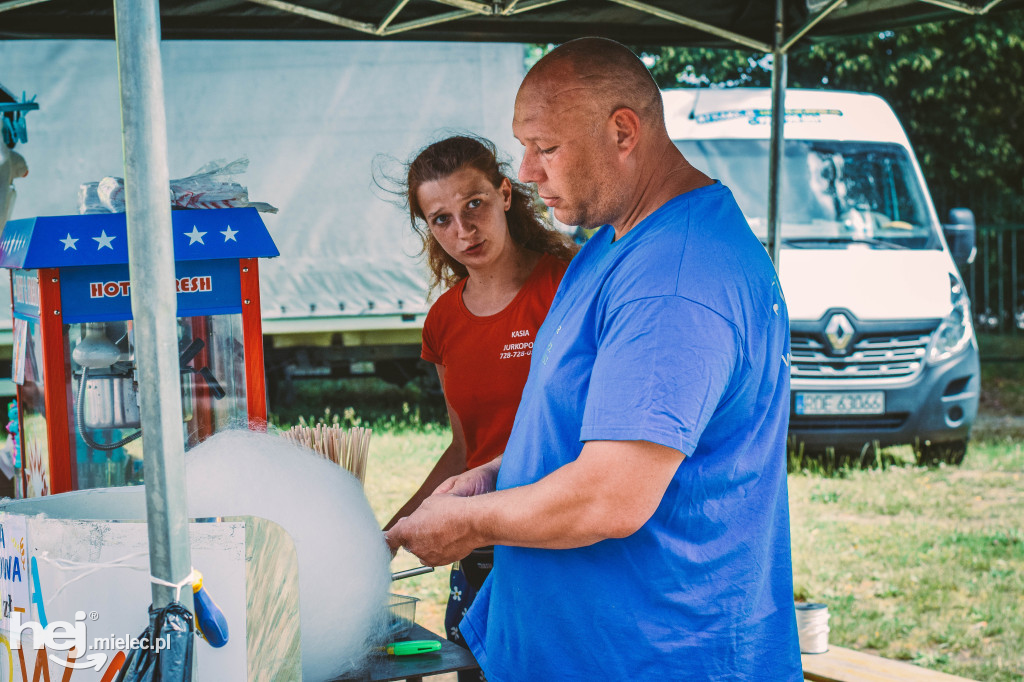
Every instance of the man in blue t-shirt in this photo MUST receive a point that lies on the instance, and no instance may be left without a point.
(640, 511)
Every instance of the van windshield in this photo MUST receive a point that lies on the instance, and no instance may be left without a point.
(834, 194)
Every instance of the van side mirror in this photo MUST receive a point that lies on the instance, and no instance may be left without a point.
(961, 236)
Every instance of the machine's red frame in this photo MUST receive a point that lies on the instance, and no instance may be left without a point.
(56, 385)
(252, 333)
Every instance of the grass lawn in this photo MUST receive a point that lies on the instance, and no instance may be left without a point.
(924, 565)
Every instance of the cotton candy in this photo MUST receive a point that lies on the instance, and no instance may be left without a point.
(344, 574)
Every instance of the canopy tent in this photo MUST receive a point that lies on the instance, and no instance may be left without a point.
(634, 22)
(756, 24)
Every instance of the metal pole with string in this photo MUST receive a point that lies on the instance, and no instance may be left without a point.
(154, 308)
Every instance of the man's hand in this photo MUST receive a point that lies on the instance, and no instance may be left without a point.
(438, 532)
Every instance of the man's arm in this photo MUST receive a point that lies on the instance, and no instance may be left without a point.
(609, 491)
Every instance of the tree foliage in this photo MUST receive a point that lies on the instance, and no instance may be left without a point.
(957, 86)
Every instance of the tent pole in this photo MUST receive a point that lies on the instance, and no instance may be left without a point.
(777, 139)
(154, 308)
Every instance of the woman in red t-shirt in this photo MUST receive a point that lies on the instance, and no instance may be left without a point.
(501, 264)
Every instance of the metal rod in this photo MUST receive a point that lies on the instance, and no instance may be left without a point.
(1001, 281)
(1013, 282)
(411, 572)
(468, 5)
(316, 14)
(15, 4)
(391, 16)
(154, 308)
(693, 23)
(985, 277)
(519, 8)
(777, 141)
(962, 6)
(427, 21)
(989, 6)
(802, 31)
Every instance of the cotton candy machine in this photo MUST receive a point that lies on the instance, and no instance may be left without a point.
(74, 342)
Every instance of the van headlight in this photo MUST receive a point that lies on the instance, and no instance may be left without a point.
(956, 331)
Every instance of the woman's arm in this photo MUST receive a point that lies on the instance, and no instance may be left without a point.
(451, 464)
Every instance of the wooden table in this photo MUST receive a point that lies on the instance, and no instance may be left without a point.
(384, 668)
(839, 664)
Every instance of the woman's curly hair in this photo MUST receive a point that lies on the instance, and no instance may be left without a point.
(525, 226)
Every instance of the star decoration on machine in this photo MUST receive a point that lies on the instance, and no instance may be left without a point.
(104, 241)
(61, 241)
(195, 236)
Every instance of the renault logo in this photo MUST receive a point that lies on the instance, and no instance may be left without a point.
(839, 332)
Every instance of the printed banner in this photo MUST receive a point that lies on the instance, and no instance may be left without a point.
(14, 569)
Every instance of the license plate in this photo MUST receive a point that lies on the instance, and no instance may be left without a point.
(865, 402)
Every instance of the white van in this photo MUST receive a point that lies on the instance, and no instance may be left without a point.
(883, 349)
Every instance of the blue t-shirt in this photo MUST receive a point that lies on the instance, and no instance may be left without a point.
(676, 334)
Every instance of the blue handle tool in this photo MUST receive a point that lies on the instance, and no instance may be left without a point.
(213, 626)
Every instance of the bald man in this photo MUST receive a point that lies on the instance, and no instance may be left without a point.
(640, 511)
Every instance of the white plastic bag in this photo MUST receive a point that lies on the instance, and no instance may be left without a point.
(209, 187)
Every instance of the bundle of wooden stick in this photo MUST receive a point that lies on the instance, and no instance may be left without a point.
(345, 447)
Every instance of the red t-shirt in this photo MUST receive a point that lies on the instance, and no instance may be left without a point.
(486, 359)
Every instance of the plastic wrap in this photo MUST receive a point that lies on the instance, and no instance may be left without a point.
(211, 186)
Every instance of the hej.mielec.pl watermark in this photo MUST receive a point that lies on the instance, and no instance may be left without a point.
(73, 638)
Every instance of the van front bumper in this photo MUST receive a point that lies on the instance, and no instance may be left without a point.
(938, 405)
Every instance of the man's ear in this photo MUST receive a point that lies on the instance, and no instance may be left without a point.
(626, 126)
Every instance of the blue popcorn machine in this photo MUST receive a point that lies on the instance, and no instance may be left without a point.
(74, 351)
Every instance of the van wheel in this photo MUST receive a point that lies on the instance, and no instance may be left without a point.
(948, 452)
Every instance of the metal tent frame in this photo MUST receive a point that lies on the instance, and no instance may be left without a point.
(750, 23)
(139, 25)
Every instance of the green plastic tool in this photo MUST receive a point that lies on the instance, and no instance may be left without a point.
(418, 646)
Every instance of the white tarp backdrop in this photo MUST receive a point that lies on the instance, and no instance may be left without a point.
(311, 117)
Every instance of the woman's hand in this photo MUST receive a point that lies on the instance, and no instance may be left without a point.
(473, 482)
